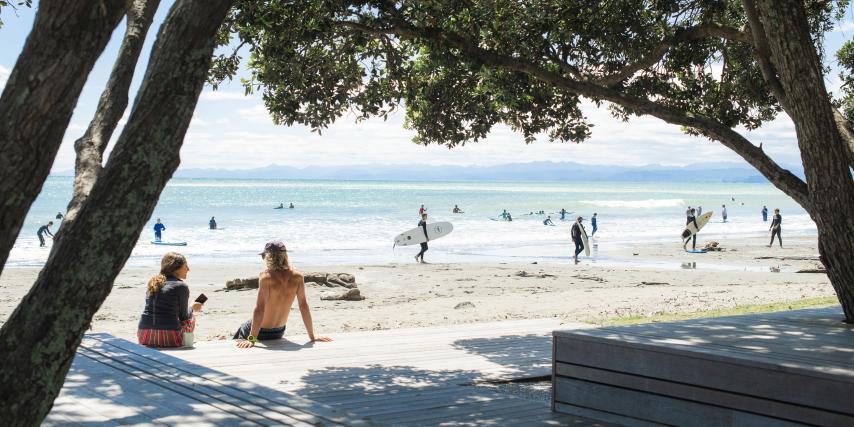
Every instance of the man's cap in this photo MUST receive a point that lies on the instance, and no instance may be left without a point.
(272, 247)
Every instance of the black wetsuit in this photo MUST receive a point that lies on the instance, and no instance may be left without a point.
(691, 219)
(423, 225)
(43, 229)
(776, 225)
(576, 238)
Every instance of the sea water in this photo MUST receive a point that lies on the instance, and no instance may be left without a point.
(354, 222)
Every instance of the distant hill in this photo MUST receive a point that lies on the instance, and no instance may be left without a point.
(533, 171)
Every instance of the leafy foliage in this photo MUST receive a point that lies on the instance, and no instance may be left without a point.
(315, 60)
(845, 56)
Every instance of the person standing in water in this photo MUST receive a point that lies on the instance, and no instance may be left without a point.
(576, 238)
(504, 214)
(562, 214)
(723, 212)
(45, 229)
(593, 221)
(59, 216)
(423, 225)
(158, 230)
(691, 219)
(291, 206)
(457, 209)
(212, 223)
(776, 225)
(509, 217)
(764, 213)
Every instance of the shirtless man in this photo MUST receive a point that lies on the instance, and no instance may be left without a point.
(278, 285)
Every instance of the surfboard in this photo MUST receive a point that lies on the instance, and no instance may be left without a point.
(695, 251)
(584, 240)
(416, 235)
(162, 243)
(702, 220)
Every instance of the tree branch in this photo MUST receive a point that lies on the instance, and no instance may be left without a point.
(111, 106)
(782, 178)
(846, 130)
(763, 54)
(655, 55)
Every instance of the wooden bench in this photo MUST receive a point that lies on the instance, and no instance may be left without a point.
(787, 368)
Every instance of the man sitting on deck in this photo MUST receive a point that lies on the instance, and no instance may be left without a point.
(278, 285)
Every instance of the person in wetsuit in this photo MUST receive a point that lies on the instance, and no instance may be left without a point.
(45, 229)
(593, 221)
(776, 225)
(765, 213)
(691, 218)
(562, 214)
(576, 238)
(158, 230)
(212, 223)
(548, 221)
(423, 225)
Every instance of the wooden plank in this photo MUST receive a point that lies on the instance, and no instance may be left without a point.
(434, 415)
(652, 408)
(725, 374)
(703, 395)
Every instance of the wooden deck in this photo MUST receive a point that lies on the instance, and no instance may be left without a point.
(423, 376)
(787, 368)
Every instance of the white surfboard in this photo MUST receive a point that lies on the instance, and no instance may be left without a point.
(164, 243)
(416, 235)
(584, 240)
(691, 230)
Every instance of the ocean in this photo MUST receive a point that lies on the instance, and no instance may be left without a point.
(354, 222)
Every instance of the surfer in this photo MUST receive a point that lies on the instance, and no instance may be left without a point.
(45, 229)
(548, 221)
(509, 217)
(576, 238)
(423, 225)
(59, 216)
(723, 212)
(281, 206)
(291, 206)
(764, 213)
(457, 209)
(158, 230)
(212, 223)
(504, 214)
(562, 214)
(776, 225)
(691, 219)
(593, 221)
(278, 286)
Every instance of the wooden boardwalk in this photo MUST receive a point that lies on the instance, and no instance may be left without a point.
(787, 368)
(423, 376)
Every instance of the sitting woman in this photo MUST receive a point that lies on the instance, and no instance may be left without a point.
(166, 316)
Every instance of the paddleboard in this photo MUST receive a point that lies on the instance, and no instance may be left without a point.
(702, 220)
(162, 243)
(695, 251)
(416, 235)
(584, 240)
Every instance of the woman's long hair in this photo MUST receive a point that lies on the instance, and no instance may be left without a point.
(277, 260)
(170, 263)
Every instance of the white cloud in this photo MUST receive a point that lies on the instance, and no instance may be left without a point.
(4, 76)
(845, 26)
(221, 95)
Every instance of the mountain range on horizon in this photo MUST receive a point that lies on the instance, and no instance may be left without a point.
(532, 171)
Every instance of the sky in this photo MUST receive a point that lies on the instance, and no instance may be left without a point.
(232, 131)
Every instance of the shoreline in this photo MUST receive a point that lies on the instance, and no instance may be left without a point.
(398, 295)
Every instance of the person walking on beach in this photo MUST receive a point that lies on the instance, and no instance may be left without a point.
(593, 222)
(548, 221)
(723, 212)
(278, 286)
(699, 210)
(45, 229)
(576, 238)
(776, 226)
(212, 223)
(691, 219)
(158, 230)
(764, 214)
(423, 225)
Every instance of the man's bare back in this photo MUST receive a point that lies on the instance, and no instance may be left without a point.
(281, 288)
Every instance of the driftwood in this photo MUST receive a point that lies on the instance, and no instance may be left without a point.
(331, 280)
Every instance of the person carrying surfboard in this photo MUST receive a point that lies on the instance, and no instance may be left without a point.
(423, 225)
(576, 238)
(158, 230)
(691, 219)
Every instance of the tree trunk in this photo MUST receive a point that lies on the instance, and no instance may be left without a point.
(39, 97)
(114, 100)
(824, 150)
(38, 341)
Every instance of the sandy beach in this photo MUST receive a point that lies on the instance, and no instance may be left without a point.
(643, 280)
